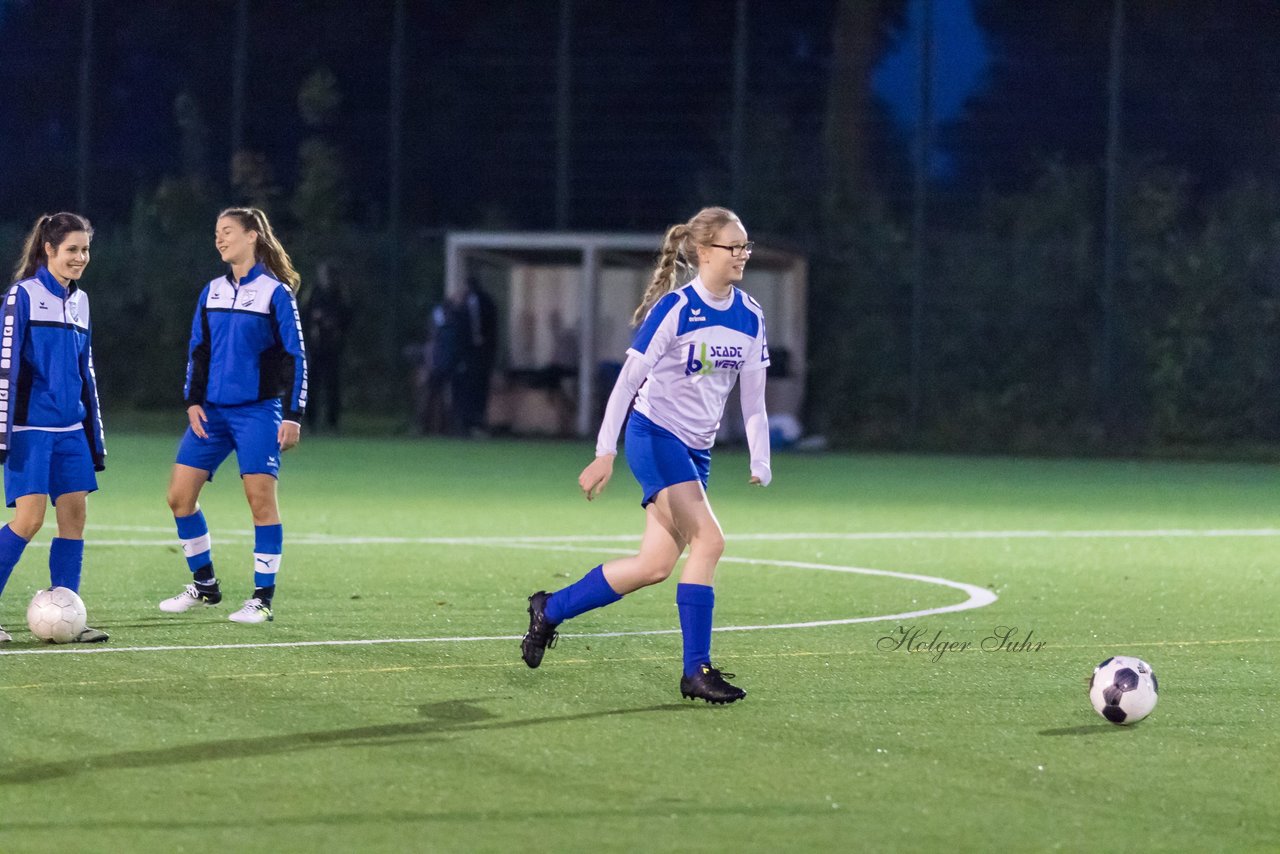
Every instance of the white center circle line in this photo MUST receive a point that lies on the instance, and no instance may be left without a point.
(978, 597)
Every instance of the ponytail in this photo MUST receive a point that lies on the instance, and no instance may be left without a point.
(679, 256)
(268, 249)
(672, 262)
(51, 229)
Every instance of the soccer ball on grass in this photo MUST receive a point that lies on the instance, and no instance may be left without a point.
(1123, 689)
(56, 615)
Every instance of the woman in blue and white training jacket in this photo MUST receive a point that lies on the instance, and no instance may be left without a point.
(51, 436)
(695, 342)
(246, 390)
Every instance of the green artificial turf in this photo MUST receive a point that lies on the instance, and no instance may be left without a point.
(441, 739)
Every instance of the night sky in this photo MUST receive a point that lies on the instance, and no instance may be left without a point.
(1016, 86)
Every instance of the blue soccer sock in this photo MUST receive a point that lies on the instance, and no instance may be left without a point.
(587, 593)
(696, 602)
(66, 557)
(193, 531)
(11, 546)
(268, 549)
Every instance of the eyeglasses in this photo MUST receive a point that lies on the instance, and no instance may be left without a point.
(739, 249)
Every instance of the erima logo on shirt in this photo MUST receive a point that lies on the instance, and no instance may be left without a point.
(696, 316)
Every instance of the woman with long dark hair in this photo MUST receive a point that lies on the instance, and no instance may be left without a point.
(51, 437)
(246, 391)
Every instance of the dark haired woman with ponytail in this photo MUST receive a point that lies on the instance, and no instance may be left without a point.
(696, 340)
(246, 390)
(51, 436)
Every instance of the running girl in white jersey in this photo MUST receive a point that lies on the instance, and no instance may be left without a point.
(694, 343)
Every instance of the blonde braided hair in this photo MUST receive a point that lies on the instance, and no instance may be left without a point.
(678, 257)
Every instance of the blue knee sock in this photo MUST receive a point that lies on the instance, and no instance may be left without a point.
(695, 603)
(268, 548)
(193, 531)
(65, 559)
(590, 591)
(11, 546)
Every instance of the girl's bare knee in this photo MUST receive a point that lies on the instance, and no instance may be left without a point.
(709, 547)
(181, 503)
(656, 572)
(26, 527)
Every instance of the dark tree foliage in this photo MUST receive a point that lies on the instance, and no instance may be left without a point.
(1199, 87)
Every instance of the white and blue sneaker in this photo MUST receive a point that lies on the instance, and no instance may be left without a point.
(253, 611)
(190, 597)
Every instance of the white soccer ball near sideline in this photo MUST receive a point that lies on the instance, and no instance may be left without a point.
(1124, 689)
(56, 615)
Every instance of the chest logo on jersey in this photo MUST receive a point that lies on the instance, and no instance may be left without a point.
(703, 359)
(248, 295)
(695, 316)
(74, 310)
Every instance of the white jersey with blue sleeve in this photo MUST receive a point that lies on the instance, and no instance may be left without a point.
(695, 345)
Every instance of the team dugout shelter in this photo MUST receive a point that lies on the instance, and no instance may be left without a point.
(565, 301)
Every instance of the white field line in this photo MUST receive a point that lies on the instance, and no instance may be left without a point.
(520, 541)
(978, 597)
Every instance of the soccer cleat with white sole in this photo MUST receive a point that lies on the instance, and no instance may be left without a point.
(190, 597)
(5, 637)
(253, 611)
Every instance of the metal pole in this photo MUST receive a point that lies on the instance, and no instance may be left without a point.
(564, 128)
(923, 149)
(587, 337)
(738, 140)
(395, 123)
(239, 62)
(1110, 248)
(86, 116)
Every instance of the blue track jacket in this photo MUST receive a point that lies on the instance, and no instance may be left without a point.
(46, 363)
(246, 345)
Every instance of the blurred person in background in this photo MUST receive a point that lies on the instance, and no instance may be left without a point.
(326, 318)
(478, 351)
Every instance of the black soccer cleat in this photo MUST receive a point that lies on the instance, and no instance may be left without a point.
(708, 684)
(88, 635)
(542, 633)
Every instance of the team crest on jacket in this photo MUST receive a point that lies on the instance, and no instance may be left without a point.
(74, 311)
(249, 294)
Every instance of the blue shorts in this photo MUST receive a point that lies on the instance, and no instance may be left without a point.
(659, 459)
(252, 430)
(44, 463)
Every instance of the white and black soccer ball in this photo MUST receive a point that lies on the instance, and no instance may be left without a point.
(56, 615)
(1124, 689)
